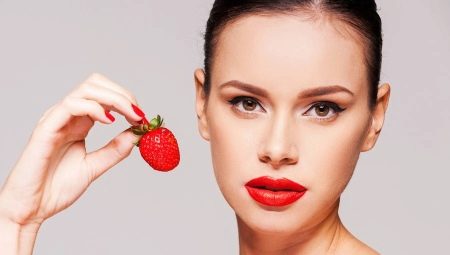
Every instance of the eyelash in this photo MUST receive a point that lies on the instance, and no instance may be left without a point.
(237, 100)
(333, 106)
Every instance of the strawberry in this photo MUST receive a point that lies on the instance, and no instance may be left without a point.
(158, 145)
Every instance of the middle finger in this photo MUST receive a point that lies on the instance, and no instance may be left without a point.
(110, 99)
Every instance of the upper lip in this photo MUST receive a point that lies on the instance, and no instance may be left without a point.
(271, 183)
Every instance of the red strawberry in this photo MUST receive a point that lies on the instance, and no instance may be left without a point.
(158, 145)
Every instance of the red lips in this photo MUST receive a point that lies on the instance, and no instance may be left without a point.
(274, 192)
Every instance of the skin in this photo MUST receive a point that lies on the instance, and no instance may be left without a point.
(280, 137)
(55, 169)
(279, 134)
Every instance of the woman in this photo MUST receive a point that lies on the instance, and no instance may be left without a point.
(288, 99)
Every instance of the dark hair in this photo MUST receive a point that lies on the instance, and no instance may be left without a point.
(361, 15)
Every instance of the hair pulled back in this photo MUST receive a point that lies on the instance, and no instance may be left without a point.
(361, 15)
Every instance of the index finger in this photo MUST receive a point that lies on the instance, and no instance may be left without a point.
(101, 80)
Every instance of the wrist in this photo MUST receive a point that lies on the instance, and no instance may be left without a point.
(16, 239)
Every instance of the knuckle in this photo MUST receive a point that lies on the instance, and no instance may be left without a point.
(85, 90)
(95, 76)
(118, 151)
(47, 112)
(127, 95)
(66, 102)
(79, 91)
(132, 97)
(84, 86)
(45, 132)
(117, 101)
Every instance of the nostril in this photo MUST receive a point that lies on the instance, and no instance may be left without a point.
(277, 162)
(289, 161)
(265, 159)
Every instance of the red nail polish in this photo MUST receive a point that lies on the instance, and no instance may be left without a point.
(109, 115)
(138, 111)
(143, 121)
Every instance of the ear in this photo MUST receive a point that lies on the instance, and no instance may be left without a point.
(378, 115)
(200, 103)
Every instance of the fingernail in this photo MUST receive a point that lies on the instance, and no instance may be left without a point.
(109, 115)
(138, 111)
(143, 121)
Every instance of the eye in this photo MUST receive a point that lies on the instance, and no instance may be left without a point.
(324, 111)
(246, 104)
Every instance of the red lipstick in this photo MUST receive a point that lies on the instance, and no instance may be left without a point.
(274, 192)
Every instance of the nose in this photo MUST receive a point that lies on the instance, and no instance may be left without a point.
(279, 146)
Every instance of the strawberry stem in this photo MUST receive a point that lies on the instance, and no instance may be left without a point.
(145, 126)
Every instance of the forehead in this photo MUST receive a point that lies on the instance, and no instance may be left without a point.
(287, 50)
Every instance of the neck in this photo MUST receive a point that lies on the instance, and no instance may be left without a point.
(321, 239)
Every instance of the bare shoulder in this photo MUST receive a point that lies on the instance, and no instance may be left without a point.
(363, 249)
(352, 245)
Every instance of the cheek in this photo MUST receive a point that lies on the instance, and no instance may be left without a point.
(327, 154)
(330, 154)
(230, 149)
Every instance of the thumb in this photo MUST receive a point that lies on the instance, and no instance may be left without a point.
(116, 150)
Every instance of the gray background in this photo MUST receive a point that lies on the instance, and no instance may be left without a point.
(397, 201)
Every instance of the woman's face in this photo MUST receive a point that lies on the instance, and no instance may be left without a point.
(288, 99)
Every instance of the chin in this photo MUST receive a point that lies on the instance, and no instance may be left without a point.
(270, 220)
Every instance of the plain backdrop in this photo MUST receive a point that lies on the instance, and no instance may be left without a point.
(397, 201)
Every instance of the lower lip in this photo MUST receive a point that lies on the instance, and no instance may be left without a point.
(274, 198)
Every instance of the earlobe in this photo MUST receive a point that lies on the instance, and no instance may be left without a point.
(200, 103)
(378, 115)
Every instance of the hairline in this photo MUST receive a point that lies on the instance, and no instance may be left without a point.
(345, 26)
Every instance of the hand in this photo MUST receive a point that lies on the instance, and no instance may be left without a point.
(55, 169)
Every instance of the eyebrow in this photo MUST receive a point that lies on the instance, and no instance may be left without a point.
(307, 93)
